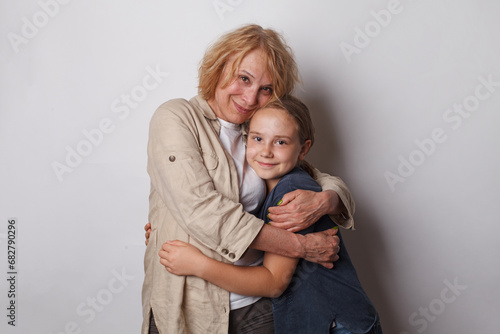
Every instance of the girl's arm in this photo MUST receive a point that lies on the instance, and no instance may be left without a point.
(268, 280)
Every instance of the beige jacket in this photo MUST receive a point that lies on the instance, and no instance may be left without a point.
(194, 198)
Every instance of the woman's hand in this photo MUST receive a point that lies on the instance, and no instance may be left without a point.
(147, 228)
(321, 247)
(181, 258)
(302, 208)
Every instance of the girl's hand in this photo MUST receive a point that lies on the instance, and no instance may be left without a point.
(302, 208)
(181, 258)
(147, 228)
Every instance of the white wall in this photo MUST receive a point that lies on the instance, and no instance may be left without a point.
(423, 226)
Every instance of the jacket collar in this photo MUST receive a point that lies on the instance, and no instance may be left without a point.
(204, 107)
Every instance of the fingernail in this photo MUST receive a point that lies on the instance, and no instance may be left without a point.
(268, 216)
(281, 201)
(335, 227)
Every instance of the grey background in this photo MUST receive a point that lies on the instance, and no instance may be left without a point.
(67, 67)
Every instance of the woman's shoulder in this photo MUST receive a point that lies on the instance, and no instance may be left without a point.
(175, 105)
(182, 107)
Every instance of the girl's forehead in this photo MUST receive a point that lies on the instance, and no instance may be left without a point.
(272, 118)
(271, 112)
(274, 113)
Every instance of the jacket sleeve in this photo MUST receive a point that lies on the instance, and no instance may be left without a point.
(328, 182)
(180, 173)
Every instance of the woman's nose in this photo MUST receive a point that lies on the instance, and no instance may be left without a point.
(250, 96)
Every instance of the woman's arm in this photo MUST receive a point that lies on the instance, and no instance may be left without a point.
(301, 208)
(181, 182)
(320, 247)
(182, 156)
(268, 280)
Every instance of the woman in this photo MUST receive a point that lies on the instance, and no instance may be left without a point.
(196, 161)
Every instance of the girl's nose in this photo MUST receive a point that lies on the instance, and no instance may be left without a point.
(266, 151)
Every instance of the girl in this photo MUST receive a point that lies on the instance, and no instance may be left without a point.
(307, 298)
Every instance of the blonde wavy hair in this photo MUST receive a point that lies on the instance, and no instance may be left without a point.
(280, 60)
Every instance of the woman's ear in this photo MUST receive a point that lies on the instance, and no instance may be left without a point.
(304, 149)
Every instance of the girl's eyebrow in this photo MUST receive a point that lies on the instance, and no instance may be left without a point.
(275, 136)
(285, 137)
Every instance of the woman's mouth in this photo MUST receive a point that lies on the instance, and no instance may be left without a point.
(241, 110)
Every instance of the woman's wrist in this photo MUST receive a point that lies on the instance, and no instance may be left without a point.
(332, 203)
(276, 240)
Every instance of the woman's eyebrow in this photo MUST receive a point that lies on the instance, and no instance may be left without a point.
(248, 73)
(245, 72)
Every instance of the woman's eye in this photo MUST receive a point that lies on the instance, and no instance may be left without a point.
(257, 138)
(268, 90)
(244, 78)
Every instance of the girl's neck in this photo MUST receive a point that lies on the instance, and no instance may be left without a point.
(270, 184)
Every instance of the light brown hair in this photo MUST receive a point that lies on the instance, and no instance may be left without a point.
(280, 60)
(302, 117)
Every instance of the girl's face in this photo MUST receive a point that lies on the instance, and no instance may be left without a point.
(273, 145)
(250, 89)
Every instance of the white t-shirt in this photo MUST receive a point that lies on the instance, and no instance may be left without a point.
(252, 195)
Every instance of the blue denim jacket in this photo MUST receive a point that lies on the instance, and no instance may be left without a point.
(317, 296)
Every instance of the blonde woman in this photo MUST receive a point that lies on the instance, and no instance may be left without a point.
(203, 191)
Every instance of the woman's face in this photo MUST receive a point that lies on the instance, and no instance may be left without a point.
(250, 89)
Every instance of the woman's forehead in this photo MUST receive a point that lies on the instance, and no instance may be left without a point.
(255, 62)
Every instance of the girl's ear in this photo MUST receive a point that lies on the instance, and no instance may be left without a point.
(304, 149)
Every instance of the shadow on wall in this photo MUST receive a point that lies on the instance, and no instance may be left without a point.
(366, 243)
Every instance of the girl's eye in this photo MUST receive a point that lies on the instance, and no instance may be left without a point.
(280, 142)
(257, 138)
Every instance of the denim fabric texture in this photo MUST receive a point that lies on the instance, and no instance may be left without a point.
(340, 329)
(316, 296)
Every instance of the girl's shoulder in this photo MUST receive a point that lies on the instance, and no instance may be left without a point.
(296, 179)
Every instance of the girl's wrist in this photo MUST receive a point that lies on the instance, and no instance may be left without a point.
(202, 267)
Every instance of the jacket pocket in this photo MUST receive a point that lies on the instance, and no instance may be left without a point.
(210, 160)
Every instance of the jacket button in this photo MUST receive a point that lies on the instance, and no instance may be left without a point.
(231, 255)
(225, 251)
(171, 158)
